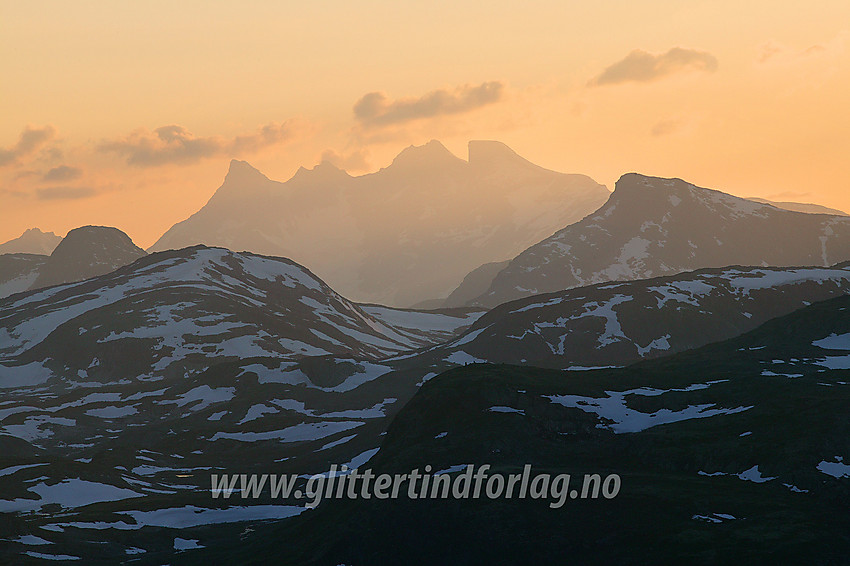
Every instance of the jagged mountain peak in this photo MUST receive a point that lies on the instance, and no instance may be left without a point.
(324, 172)
(37, 230)
(32, 241)
(393, 229)
(242, 172)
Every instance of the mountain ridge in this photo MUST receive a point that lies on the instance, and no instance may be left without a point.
(653, 226)
(407, 233)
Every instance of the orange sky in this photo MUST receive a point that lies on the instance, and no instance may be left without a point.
(127, 114)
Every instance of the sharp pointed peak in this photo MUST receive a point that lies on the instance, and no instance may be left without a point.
(325, 171)
(242, 170)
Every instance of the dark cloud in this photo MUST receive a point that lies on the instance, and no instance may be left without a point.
(62, 173)
(641, 66)
(376, 109)
(64, 193)
(31, 140)
(175, 144)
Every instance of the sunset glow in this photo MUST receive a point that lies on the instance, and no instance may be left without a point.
(127, 114)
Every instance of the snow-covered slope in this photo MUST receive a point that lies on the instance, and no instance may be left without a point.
(403, 235)
(652, 227)
(179, 309)
(620, 323)
(124, 393)
(18, 272)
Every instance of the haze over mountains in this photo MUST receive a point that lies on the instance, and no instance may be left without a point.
(652, 226)
(801, 207)
(408, 233)
(32, 241)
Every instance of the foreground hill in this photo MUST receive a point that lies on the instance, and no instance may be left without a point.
(733, 453)
(403, 235)
(173, 312)
(123, 393)
(652, 227)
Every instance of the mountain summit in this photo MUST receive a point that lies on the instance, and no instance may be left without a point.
(653, 226)
(87, 252)
(407, 233)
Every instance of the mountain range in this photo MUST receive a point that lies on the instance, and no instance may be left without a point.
(405, 234)
(690, 341)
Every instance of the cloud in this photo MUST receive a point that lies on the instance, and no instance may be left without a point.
(641, 66)
(665, 127)
(772, 51)
(64, 193)
(176, 145)
(375, 109)
(31, 140)
(355, 161)
(62, 173)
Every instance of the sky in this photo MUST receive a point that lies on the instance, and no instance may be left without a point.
(128, 114)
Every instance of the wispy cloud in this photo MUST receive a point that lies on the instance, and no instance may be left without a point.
(64, 193)
(642, 66)
(176, 145)
(376, 109)
(62, 173)
(31, 140)
(773, 51)
(665, 127)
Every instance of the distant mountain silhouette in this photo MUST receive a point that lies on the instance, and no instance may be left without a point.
(32, 241)
(405, 234)
(652, 227)
(87, 252)
(801, 207)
